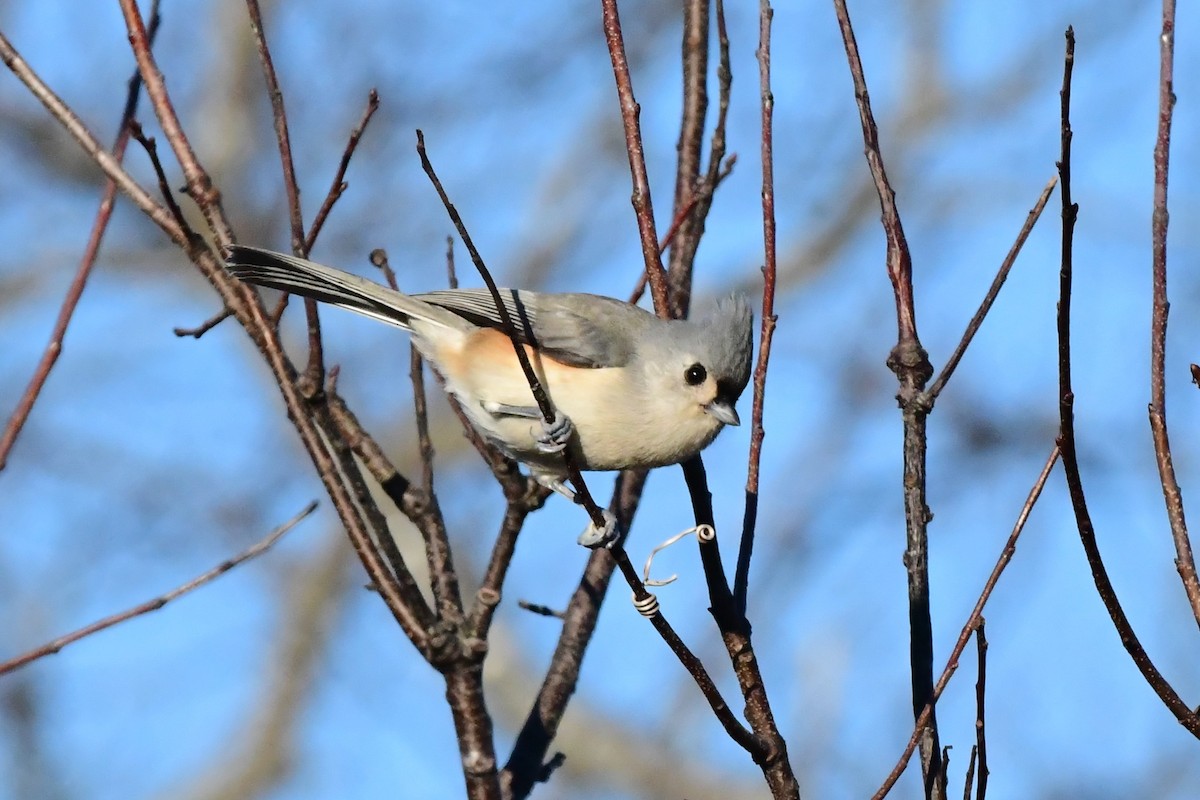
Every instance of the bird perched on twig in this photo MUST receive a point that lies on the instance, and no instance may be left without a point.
(629, 390)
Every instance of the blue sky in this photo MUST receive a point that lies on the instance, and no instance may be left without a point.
(151, 458)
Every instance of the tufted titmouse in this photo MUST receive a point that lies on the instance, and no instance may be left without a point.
(629, 390)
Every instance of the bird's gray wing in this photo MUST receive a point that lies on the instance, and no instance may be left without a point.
(582, 330)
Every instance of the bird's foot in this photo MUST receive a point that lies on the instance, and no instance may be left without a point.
(556, 435)
(594, 537)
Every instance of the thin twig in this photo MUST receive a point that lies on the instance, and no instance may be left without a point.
(314, 371)
(741, 577)
(451, 274)
(529, 753)
(970, 778)
(75, 291)
(1066, 438)
(540, 610)
(200, 186)
(993, 292)
(738, 732)
(206, 326)
(74, 126)
(164, 186)
(964, 636)
(427, 515)
(909, 361)
(630, 112)
(583, 496)
(487, 598)
(981, 647)
(282, 135)
(257, 549)
(339, 184)
(1185, 561)
(640, 287)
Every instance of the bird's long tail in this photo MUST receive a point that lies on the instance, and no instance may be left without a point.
(309, 279)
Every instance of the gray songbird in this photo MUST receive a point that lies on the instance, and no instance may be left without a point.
(629, 390)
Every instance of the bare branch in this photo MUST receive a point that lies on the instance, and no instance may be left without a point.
(257, 549)
(1185, 562)
(741, 578)
(1066, 439)
(1010, 548)
(339, 178)
(75, 291)
(981, 647)
(909, 361)
(992, 293)
(630, 112)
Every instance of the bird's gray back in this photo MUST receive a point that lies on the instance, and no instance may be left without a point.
(582, 330)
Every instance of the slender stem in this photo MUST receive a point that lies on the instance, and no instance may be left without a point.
(964, 636)
(155, 604)
(993, 292)
(910, 363)
(981, 647)
(41, 373)
(583, 496)
(741, 579)
(643, 206)
(1066, 438)
(1185, 561)
(339, 184)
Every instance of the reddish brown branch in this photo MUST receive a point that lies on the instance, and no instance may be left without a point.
(339, 179)
(315, 370)
(992, 293)
(92, 148)
(206, 326)
(910, 363)
(199, 185)
(282, 135)
(75, 291)
(741, 578)
(1066, 438)
(630, 113)
(257, 549)
(1185, 561)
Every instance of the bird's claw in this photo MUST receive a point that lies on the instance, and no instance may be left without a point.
(594, 537)
(555, 435)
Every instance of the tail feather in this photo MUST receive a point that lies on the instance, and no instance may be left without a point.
(309, 279)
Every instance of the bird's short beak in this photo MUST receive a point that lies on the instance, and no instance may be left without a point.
(723, 411)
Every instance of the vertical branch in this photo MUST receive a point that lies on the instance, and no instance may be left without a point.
(981, 647)
(314, 372)
(630, 113)
(741, 579)
(199, 184)
(282, 136)
(694, 58)
(910, 363)
(1006, 555)
(75, 291)
(1066, 410)
(1185, 562)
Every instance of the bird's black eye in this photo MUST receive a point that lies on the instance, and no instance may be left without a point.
(695, 375)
